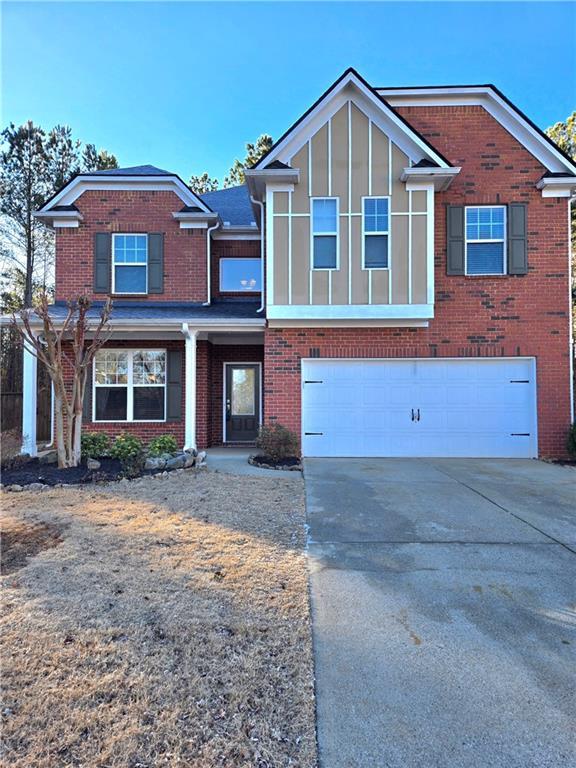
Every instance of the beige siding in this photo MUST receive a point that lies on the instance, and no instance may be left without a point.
(300, 196)
(340, 157)
(379, 162)
(319, 148)
(340, 276)
(300, 260)
(399, 194)
(418, 259)
(359, 275)
(280, 202)
(419, 202)
(281, 259)
(320, 287)
(359, 170)
(380, 280)
(399, 259)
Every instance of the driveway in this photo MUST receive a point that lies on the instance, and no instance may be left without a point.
(444, 612)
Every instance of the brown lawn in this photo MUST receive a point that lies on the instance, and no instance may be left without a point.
(163, 622)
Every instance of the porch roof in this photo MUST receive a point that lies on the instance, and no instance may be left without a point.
(177, 312)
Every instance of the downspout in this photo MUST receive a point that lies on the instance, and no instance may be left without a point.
(262, 270)
(570, 309)
(209, 263)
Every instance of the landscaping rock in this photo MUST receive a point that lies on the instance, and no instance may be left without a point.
(154, 463)
(189, 459)
(93, 464)
(35, 487)
(176, 462)
(50, 457)
(14, 488)
(201, 459)
(166, 456)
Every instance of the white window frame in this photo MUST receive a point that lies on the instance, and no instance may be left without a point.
(325, 234)
(239, 258)
(130, 387)
(502, 240)
(124, 264)
(379, 232)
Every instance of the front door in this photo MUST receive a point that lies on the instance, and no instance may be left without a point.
(242, 402)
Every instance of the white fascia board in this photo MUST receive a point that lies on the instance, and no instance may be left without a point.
(81, 184)
(60, 219)
(495, 105)
(557, 186)
(350, 311)
(258, 180)
(348, 324)
(249, 233)
(352, 89)
(164, 326)
(422, 178)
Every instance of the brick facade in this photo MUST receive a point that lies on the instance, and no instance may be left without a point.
(132, 212)
(474, 316)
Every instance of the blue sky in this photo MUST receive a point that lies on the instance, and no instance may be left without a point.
(184, 85)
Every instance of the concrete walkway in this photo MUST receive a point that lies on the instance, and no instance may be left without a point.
(234, 461)
(444, 612)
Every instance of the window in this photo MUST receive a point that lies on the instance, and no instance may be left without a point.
(129, 264)
(325, 233)
(485, 237)
(375, 232)
(240, 275)
(129, 385)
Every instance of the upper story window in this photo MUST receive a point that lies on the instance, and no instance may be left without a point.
(325, 233)
(485, 240)
(375, 222)
(129, 263)
(129, 385)
(240, 275)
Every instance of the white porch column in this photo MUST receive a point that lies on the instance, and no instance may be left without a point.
(29, 389)
(190, 391)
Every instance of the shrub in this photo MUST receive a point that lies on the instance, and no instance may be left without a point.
(129, 450)
(277, 441)
(571, 441)
(162, 444)
(94, 445)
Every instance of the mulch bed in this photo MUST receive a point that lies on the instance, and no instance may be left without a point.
(34, 472)
(266, 462)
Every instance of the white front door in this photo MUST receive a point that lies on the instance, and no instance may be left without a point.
(455, 407)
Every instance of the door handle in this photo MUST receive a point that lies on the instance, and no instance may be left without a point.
(412, 411)
(228, 408)
(418, 416)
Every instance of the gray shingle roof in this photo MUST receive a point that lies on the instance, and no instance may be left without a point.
(135, 170)
(233, 204)
(177, 311)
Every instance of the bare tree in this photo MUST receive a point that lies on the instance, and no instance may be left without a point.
(62, 348)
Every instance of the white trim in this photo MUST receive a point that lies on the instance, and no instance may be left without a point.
(260, 398)
(289, 248)
(129, 386)
(190, 404)
(349, 206)
(503, 240)
(409, 247)
(440, 177)
(367, 234)
(29, 400)
(498, 108)
(270, 297)
(84, 183)
(324, 234)
(354, 323)
(128, 264)
(350, 311)
(369, 158)
(237, 259)
(330, 157)
(430, 245)
(223, 235)
(390, 196)
(309, 168)
(571, 349)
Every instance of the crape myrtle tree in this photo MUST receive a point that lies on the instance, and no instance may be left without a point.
(65, 349)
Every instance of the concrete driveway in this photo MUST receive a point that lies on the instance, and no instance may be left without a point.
(444, 612)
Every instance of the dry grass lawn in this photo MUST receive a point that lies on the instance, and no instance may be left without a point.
(163, 622)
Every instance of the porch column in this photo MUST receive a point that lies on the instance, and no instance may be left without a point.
(29, 389)
(190, 391)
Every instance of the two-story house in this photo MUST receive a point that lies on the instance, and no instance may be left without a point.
(392, 280)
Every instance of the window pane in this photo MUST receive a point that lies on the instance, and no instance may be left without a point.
(111, 403)
(130, 280)
(243, 392)
(325, 252)
(485, 258)
(240, 275)
(111, 367)
(376, 251)
(324, 215)
(376, 214)
(148, 403)
(149, 367)
(486, 223)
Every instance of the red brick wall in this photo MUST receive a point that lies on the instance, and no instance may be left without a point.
(126, 211)
(474, 316)
(231, 249)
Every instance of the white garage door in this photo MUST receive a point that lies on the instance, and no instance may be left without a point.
(464, 407)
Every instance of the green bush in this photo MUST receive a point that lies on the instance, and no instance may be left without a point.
(162, 444)
(571, 441)
(129, 450)
(277, 442)
(94, 445)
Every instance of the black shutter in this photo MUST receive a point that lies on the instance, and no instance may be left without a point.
(87, 403)
(174, 385)
(517, 247)
(102, 261)
(455, 240)
(156, 263)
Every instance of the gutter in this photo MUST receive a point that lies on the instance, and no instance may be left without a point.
(209, 263)
(260, 204)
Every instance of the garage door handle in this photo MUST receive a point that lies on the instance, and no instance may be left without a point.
(412, 414)
(418, 416)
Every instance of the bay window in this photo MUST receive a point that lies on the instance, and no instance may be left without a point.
(129, 385)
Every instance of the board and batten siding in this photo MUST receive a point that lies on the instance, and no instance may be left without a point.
(349, 157)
